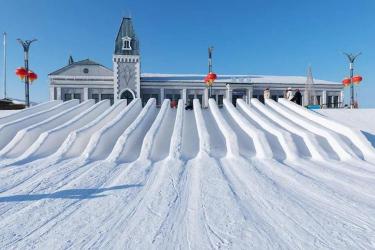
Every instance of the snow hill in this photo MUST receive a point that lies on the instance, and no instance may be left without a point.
(131, 177)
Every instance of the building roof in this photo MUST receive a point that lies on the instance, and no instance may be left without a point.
(152, 77)
(86, 62)
(126, 30)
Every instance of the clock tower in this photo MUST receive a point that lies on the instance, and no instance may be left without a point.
(126, 63)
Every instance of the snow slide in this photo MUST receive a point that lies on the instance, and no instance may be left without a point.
(8, 130)
(273, 176)
(29, 111)
(27, 136)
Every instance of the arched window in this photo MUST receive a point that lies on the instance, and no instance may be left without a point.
(126, 43)
(127, 95)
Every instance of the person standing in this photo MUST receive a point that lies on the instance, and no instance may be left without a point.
(267, 93)
(297, 98)
(289, 94)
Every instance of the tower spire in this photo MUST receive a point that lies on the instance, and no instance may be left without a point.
(309, 95)
(71, 61)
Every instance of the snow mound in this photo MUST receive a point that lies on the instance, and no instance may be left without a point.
(250, 176)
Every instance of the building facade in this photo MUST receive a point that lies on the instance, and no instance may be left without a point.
(87, 79)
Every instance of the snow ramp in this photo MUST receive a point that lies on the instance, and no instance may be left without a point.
(244, 176)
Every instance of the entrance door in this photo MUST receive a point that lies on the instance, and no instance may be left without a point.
(128, 96)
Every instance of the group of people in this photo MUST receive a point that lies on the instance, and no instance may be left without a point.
(288, 94)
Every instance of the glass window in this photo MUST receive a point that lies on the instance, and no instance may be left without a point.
(330, 101)
(126, 43)
(200, 98)
(95, 97)
(107, 97)
(190, 99)
(335, 101)
(156, 96)
(174, 96)
(67, 97)
(220, 99)
(77, 96)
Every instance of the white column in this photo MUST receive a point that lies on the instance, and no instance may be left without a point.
(324, 98)
(205, 97)
(85, 94)
(184, 95)
(51, 93)
(249, 94)
(341, 100)
(229, 92)
(58, 93)
(162, 95)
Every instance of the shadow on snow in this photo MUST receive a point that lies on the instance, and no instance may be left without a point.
(67, 194)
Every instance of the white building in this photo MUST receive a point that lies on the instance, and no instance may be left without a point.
(90, 80)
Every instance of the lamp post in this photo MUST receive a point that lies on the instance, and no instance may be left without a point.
(351, 57)
(26, 46)
(211, 76)
(210, 49)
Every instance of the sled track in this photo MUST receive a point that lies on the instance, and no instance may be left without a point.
(254, 176)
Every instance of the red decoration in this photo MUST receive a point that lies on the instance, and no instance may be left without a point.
(21, 73)
(32, 76)
(356, 79)
(346, 81)
(210, 78)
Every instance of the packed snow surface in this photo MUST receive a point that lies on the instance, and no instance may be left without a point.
(250, 176)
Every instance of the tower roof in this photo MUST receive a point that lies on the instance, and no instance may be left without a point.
(126, 31)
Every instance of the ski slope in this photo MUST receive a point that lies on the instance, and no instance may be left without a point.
(250, 176)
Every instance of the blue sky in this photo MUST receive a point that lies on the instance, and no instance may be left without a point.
(249, 36)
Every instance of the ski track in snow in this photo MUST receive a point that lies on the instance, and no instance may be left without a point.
(247, 177)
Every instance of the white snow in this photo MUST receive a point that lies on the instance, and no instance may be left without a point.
(256, 176)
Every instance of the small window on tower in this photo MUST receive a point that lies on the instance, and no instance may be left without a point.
(126, 43)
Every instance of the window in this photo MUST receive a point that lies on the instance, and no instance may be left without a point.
(175, 96)
(335, 101)
(200, 98)
(318, 101)
(86, 70)
(190, 99)
(146, 97)
(108, 97)
(67, 97)
(126, 43)
(330, 101)
(274, 97)
(220, 99)
(77, 96)
(95, 97)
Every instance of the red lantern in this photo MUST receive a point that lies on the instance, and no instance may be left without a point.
(212, 76)
(32, 76)
(346, 81)
(21, 73)
(356, 79)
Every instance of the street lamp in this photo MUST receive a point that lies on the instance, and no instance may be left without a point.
(26, 45)
(351, 57)
(211, 76)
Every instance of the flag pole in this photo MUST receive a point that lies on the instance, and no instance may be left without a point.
(5, 65)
